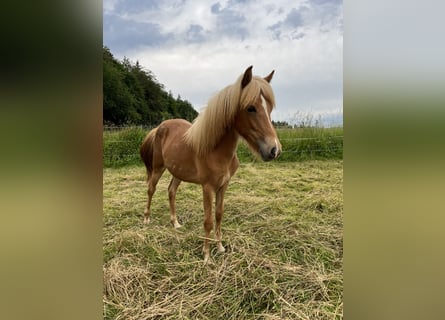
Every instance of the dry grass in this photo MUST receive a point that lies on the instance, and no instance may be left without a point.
(282, 229)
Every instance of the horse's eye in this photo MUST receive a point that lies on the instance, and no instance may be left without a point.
(251, 109)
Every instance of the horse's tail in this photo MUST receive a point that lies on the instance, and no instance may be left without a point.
(146, 151)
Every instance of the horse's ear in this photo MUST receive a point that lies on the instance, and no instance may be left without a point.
(269, 77)
(247, 77)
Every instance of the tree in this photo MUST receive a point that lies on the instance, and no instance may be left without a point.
(133, 96)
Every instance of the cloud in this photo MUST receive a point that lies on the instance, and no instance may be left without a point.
(294, 18)
(121, 34)
(328, 2)
(308, 72)
(289, 27)
(196, 33)
(134, 6)
(197, 47)
(229, 22)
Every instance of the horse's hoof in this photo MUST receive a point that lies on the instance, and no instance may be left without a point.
(221, 249)
(177, 225)
(146, 220)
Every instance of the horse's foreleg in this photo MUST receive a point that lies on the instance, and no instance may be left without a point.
(172, 187)
(219, 210)
(208, 220)
(152, 182)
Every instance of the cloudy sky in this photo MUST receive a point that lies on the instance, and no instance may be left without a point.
(196, 48)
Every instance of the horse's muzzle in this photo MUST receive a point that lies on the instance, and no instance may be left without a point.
(268, 152)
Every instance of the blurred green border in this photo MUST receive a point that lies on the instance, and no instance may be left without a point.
(51, 169)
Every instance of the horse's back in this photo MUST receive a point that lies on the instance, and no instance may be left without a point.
(172, 131)
(175, 124)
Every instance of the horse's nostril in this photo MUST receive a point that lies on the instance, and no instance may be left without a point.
(273, 152)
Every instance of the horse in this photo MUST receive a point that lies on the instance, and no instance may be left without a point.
(204, 152)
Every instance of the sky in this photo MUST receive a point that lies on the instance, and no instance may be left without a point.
(195, 48)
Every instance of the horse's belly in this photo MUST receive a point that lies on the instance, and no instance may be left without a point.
(184, 172)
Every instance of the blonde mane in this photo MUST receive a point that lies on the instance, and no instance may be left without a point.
(211, 124)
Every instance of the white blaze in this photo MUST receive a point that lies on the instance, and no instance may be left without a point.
(264, 103)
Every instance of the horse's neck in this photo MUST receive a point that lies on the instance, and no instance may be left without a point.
(228, 143)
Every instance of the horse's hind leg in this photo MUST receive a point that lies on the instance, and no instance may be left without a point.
(172, 187)
(152, 182)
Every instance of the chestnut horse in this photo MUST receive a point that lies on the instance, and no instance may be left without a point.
(205, 152)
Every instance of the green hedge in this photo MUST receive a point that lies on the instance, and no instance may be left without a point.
(121, 147)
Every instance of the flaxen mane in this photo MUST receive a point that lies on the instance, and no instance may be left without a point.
(212, 123)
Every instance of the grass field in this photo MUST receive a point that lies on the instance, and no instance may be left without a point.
(282, 230)
(121, 147)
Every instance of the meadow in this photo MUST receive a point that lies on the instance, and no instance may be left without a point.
(283, 233)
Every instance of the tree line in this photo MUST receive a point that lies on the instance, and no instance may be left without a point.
(133, 96)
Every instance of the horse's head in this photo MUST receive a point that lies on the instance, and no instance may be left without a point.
(253, 121)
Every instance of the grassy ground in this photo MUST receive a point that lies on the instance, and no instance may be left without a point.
(282, 230)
